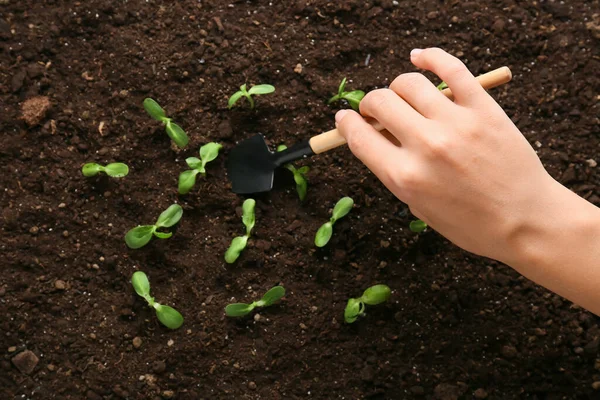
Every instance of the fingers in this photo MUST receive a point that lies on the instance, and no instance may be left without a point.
(395, 114)
(464, 86)
(421, 94)
(369, 145)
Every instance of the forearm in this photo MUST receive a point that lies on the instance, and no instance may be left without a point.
(559, 247)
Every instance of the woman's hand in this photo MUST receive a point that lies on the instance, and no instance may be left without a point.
(462, 167)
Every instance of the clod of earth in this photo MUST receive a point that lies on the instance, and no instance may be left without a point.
(25, 361)
(34, 110)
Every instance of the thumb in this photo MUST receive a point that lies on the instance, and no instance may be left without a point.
(369, 145)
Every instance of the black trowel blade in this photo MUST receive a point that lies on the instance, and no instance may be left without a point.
(251, 166)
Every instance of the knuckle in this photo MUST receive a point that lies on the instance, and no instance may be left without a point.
(375, 99)
(357, 141)
(439, 146)
(408, 82)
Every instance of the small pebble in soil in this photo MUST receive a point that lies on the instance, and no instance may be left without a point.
(12, 349)
(314, 308)
(591, 163)
(168, 394)
(480, 394)
(596, 385)
(50, 367)
(60, 285)
(25, 361)
(34, 230)
(509, 351)
(251, 385)
(137, 342)
(62, 205)
(66, 234)
(170, 343)
(302, 326)
(158, 367)
(257, 317)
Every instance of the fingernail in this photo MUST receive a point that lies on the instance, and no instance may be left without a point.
(340, 115)
(415, 52)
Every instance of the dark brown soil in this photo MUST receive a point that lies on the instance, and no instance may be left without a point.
(456, 326)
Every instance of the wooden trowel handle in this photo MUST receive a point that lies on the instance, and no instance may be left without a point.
(332, 139)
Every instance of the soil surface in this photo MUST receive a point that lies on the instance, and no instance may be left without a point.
(73, 75)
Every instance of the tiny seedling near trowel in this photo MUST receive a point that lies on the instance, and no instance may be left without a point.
(299, 175)
(168, 316)
(251, 165)
(372, 296)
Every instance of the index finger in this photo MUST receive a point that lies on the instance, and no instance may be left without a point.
(460, 80)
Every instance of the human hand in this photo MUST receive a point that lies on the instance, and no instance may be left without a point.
(462, 167)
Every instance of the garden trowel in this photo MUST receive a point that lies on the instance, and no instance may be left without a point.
(251, 165)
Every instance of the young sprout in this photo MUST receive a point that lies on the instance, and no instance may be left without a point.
(353, 97)
(254, 90)
(239, 243)
(372, 296)
(116, 170)
(442, 86)
(417, 226)
(299, 175)
(241, 309)
(343, 207)
(141, 234)
(187, 179)
(168, 316)
(174, 131)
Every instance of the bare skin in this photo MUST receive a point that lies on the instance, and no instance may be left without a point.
(466, 170)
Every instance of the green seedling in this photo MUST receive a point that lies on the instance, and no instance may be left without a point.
(174, 131)
(299, 175)
(168, 316)
(442, 86)
(254, 90)
(241, 309)
(417, 226)
(187, 179)
(353, 97)
(115, 170)
(372, 296)
(238, 244)
(343, 207)
(141, 235)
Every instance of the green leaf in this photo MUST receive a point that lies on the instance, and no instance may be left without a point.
(353, 310)
(273, 295)
(342, 207)
(234, 98)
(177, 134)
(333, 99)
(324, 234)
(304, 170)
(238, 309)
(341, 88)
(187, 180)
(163, 235)
(235, 249)
(91, 169)
(154, 109)
(442, 86)
(139, 236)
(354, 98)
(281, 147)
(248, 215)
(261, 89)
(417, 226)
(209, 152)
(116, 170)
(140, 283)
(168, 316)
(301, 185)
(194, 162)
(170, 216)
(376, 294)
